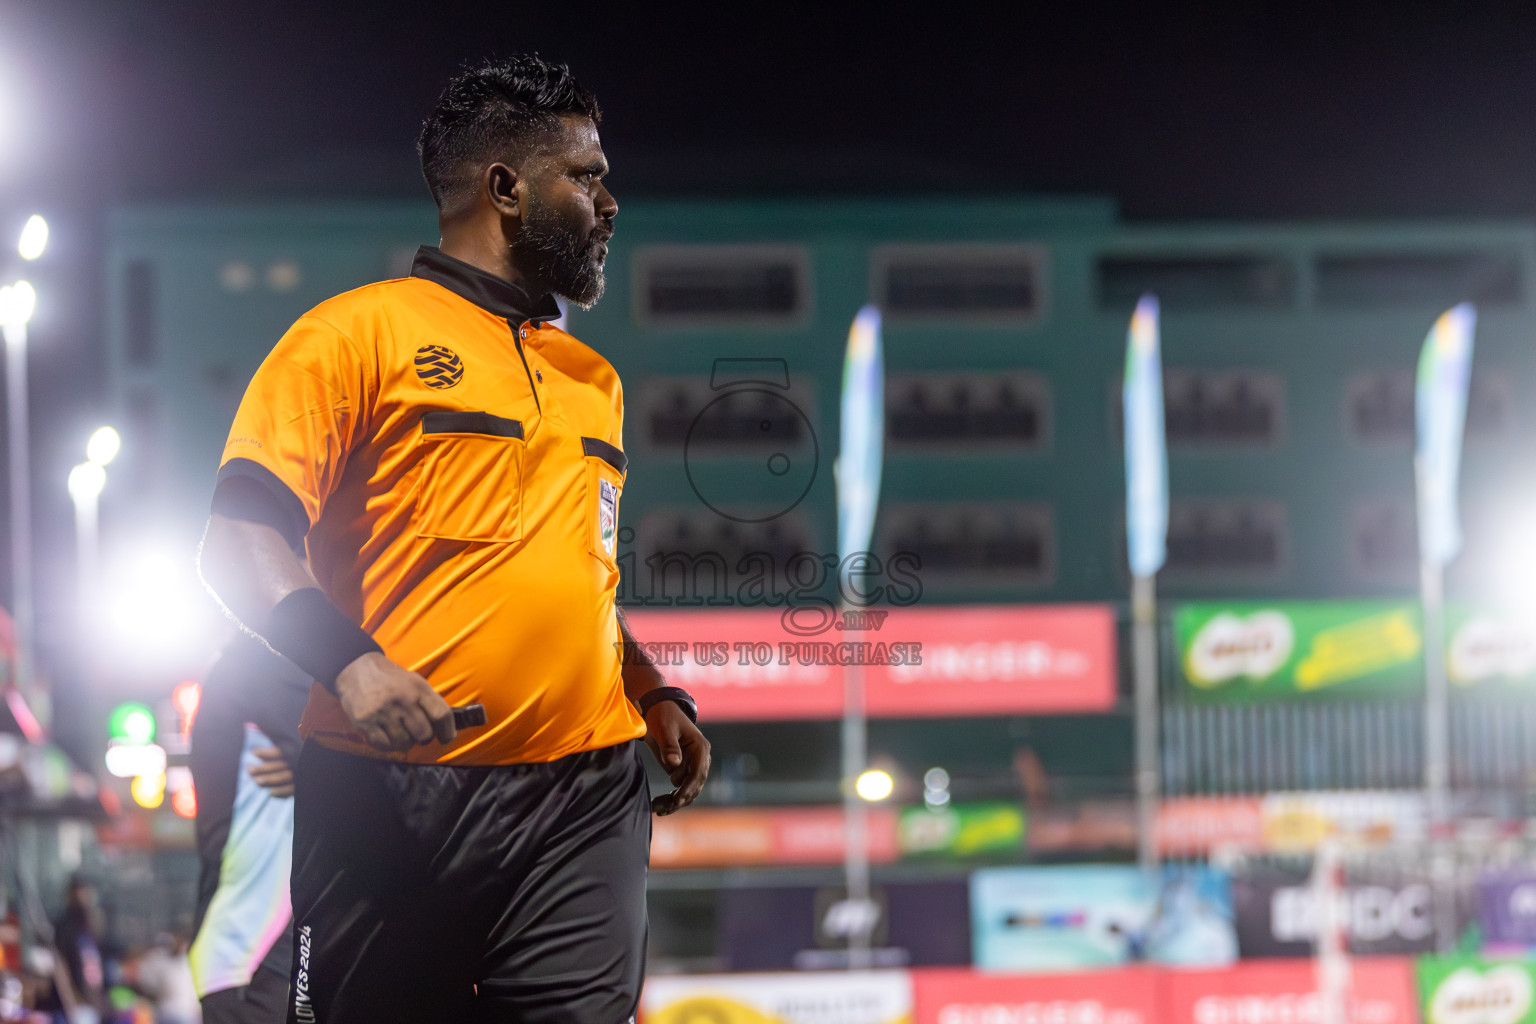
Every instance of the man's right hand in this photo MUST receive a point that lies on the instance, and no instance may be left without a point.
(394, 708)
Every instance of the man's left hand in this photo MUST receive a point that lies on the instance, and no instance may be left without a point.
(681, 750)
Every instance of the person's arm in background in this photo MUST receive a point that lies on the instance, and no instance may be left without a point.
(680, 748)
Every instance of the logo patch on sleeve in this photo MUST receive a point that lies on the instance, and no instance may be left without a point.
(608, 515)
(439, 366)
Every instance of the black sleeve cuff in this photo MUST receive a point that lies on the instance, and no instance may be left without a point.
(250, 491)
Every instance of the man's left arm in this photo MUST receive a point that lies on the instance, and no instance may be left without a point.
(680, 748)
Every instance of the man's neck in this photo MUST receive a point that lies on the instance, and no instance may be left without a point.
(483, 251)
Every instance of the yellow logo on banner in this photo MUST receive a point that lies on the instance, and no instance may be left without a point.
(1358, 649)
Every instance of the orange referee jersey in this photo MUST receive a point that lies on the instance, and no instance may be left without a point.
(458, 465)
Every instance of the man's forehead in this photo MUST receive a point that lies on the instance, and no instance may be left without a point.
(578, 140)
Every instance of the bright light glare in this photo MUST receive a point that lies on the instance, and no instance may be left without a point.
(184, 802)
(86, 481)
(17, 303)
(129, 760)
(148, 790)
(103, 446)
(34, 238)
(156, 604)
(186, 698)
(875, 785)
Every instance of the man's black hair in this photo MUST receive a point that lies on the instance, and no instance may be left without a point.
(498, 110)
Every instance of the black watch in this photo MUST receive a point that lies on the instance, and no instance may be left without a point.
(679, 696)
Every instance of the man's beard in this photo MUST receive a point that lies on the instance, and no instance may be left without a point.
(554, 260)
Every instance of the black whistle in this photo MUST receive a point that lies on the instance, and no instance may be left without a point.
(469, 716)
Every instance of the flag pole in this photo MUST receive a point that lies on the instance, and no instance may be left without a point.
(1146, 534)
(1144, 665)
(860, 455)
(1440, 414)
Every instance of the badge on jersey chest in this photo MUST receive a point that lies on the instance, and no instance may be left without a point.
(607, 515)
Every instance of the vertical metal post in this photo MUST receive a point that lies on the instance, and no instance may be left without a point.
(87, 560)
(1144, 667)
(21, 501)
(855, 816)
(1437, 745)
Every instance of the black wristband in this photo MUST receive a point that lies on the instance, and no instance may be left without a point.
(310, 631)
(679, 696)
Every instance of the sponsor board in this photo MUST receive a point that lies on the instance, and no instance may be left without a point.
(862, 997)
(1506, 907)
(764, 664)
(776, 928)
(1289, 822)
(1490, 647)
(709, 837)
(961, 830)
(1469, 990)
(1085, 916)
(1286, 650)
(1088, 826)
(1383, 913)
(1126, 996)
(1286, 992)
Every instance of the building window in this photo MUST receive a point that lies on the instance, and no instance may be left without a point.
(1435, 279)
(975, 544)
(1226, 537)
(720, 415)
(993, 409)
(1383, 541)
(1223, 407)
(997, 283)
(1379, 406)
(721, 285)
(694, 558)
(1197, 281)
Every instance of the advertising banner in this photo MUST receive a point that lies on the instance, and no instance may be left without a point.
(1079, 917)
(1506, 907)
(1383, 912)
(1126, 996)
(960, 830)
(862, 997)
(1286, 992)
(764, 664)
(1490, 647)
(803, 927)
(1286, 650)
(714, 837)
(1087, 826)
(1289, 822)
(1471, 990)
(1189, 826)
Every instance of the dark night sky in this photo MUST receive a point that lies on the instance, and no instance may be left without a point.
(1218, 110)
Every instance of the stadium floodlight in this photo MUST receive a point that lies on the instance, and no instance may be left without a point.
(34, 238)
(86, 481)
(103, 446)
(17, 303)
(875, 785)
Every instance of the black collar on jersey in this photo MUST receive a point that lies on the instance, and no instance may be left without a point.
(487, 291)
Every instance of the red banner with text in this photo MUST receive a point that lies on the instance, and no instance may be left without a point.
(763, 664)
(963, 996)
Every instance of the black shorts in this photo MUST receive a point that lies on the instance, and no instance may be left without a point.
(434, 894)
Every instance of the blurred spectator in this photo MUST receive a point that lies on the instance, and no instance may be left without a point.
(77, 939)
(165, 976)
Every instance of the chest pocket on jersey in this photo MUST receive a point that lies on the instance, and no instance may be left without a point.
(472, 481)
(605, 482)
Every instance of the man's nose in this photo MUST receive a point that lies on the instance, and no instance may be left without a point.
(607, 207)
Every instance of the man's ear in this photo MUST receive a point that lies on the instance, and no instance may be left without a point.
(500, 184)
